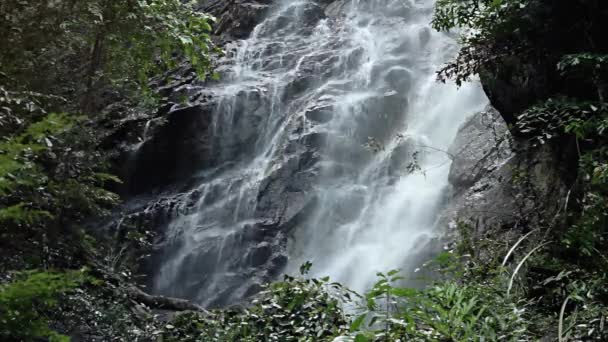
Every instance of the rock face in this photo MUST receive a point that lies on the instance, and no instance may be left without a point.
(532, 182)
(235, 18)
(500, 186)
(186, 130)
(481, 146)
(176, 140)
(526, 78)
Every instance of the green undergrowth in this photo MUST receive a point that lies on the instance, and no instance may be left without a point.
(25, 301)
(295, 309)
(468, 302)
(83, 304)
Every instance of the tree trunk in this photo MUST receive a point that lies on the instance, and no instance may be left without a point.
(161, 302)
(87, 105)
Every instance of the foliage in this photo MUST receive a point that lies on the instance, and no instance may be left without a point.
(97, 42)
(40, 304)
(561, 117)
(75, 56)
(103, 309)
(24, 302)
(586, 66)
(494, 24)
(49, 185)
(295, 309)
(445, 311)
(18, 152)
(474, 13)
(60, 57)
(583, 62)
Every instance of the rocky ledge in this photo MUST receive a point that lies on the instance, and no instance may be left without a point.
(499, 184)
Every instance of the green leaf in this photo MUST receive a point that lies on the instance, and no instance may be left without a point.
(361, 338)
(392, 273)
(305, 267)
(186, 40)
(356, 324)
(403, 292)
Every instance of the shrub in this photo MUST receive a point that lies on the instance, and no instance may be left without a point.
(25, 302)
(296, 309)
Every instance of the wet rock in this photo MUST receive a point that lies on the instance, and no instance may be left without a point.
(383, 68)
(424, 36)
(481, 145)
(300, 18)
(515, 87)
(381, 116)
(400, 157)
(285, 194)
(500, 186)
(279, 262)
(320, 114)
(235, 18)
(256, 232)
(314, 140)
(312, 14)
(156, 163)
(260, 254)
(399, 78)
(354, 57)
(334, 8)
(301, 82)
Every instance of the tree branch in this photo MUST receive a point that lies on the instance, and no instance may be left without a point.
(161, 302)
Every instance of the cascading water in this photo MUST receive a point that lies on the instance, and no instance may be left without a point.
(293, 179)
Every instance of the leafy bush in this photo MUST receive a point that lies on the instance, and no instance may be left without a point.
(25, 302)
(50, 182)
(85, 43)
(499, 29)
(445, 311)
(295, 309)
(563, 117)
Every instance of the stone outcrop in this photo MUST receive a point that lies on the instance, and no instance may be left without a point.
(502, 187)
(156, 162)
(528, 182)
(235, 18)
(528, 74)
(146, 157)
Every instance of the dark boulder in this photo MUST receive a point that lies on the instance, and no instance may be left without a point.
(174, 151)
(319, 114)
(235, 18)
(527, 74)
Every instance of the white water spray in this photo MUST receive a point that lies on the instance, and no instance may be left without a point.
(301, 99)
(390, 211)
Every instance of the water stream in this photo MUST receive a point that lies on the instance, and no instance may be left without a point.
(330, 134)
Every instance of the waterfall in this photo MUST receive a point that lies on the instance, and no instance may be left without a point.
(330, 137)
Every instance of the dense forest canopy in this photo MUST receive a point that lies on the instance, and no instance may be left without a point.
(543, 64)
(61, 63)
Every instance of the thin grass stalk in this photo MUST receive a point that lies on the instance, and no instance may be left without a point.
(521, 263)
